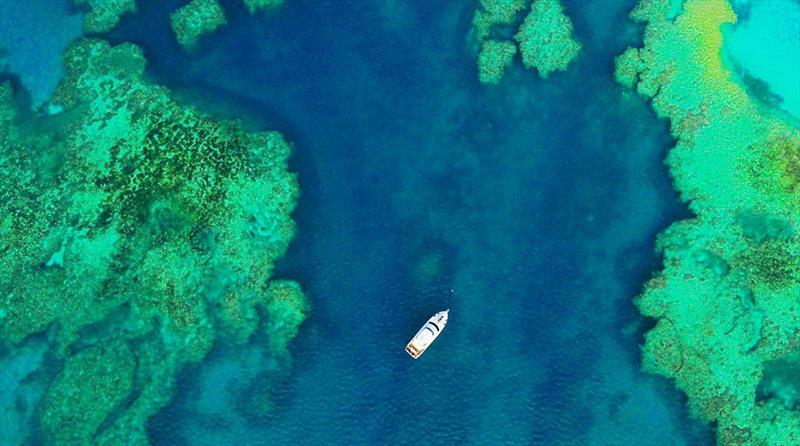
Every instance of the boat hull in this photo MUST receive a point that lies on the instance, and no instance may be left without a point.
(430, 330)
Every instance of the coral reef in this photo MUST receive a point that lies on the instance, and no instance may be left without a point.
(545, 38)
(286, 309)
(494, 13)
(136, 232)
(200, 17)
(104, 15)
(258, 5)
(73, 411)
(196, 18)
(726, 302)
(493, 59)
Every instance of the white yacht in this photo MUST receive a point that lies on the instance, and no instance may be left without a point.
(427, 334)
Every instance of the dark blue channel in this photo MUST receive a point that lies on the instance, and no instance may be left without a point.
(529, 209)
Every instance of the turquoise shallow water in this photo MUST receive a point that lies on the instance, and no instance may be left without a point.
(529, 209)
(763, 47)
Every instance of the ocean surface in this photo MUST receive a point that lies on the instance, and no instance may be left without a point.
(529, 209)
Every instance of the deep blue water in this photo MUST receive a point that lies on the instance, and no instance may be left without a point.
(529, 209)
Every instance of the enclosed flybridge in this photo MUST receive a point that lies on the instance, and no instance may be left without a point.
(427, 334)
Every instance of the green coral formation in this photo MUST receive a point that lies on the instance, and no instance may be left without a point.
(545, 38)
(196, 18)
(493, 59)
(199, 17)
(286, 308)
(136, 232)
(259, 5)
(104, 15)
(494, 54)
(495, 13)
(727, 302)
(74, 411)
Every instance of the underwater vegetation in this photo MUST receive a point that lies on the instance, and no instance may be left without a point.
(544, 37)
(136, 232)
(727, 302)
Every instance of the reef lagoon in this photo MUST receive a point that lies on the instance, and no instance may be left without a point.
(763, 48)
(530, 207)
